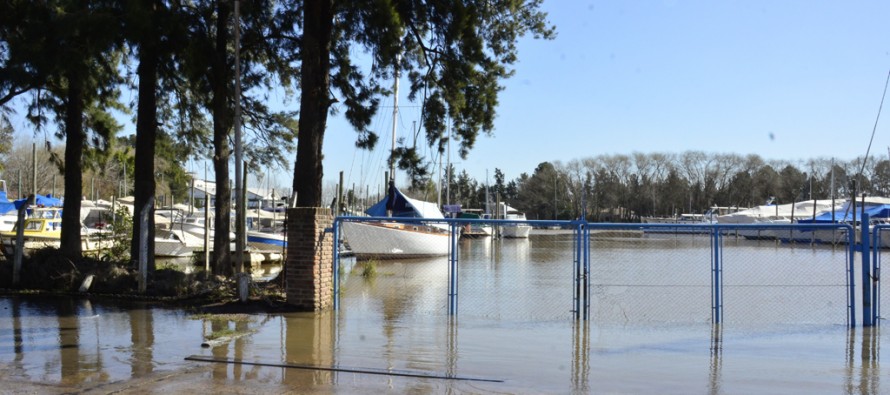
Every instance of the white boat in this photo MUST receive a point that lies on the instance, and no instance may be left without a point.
(8, 213)
(176, 243)
(772, 214)
(266, 240)
(394, 239)
(195, 225)
(876, 207)
(708, 218)
(43, 229)
(516, 230)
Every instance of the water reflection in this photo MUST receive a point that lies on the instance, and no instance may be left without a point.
(716, 359)
(581, 357)
(310, 339)
(142, 336)
(868, 379)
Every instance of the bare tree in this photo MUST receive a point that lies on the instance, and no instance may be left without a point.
(18, 171)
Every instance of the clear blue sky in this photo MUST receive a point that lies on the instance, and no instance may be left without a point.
(673, 76)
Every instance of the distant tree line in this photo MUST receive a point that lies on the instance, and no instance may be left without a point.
(623, 188)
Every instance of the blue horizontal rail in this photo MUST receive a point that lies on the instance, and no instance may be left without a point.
(718, 232)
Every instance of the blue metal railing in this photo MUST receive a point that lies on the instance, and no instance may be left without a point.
(717, 233)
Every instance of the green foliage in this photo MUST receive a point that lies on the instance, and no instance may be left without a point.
(121, 235)
(367, 269)
(454, 55)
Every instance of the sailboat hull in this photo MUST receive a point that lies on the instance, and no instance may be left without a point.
(390, 240)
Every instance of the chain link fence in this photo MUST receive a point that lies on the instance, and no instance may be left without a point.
(622, 274)
(792, 276)
(646, 276)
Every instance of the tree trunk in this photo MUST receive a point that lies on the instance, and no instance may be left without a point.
(146, 132)
(314, 101)
(222, 121)
(74, 141)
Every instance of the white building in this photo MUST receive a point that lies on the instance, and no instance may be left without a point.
(202, 189)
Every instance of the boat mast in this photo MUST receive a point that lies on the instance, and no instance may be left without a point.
(395, 114)
(448, 167)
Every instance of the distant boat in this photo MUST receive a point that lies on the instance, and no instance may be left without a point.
(394, 239)
(773, 214)
(876, 207)
(265, 230)
(474, 230)
(515, 230)
(43, 229)
(266, 240)
(176, 243)
(708, 218)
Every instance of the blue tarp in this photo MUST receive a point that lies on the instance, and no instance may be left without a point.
(873, 211)
(48, 201)
(5, 205)
(405, 207)
(41, 201)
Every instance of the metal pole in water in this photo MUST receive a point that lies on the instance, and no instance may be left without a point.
(452, 271)
(865, 249)
(876, 278)
(716, 300)
(576, 290)
(586, 284)
(851, 278)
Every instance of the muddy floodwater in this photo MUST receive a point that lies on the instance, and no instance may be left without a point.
(393, 334)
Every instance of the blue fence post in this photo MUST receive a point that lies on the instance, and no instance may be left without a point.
(586, 274)
(865, 250)
(876, 276)
(336, 262)
(452, 271)
(716, 277)
(576, 274)
(851, 278)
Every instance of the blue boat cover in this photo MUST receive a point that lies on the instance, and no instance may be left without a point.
(5, 205)
(873, 211)
(41, 201)
(405, 207)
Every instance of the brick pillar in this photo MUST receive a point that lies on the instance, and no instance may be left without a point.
(310, 258)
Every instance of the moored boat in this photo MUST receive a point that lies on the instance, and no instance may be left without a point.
(475, 230)
(514, 230)
(395, 239)
(266, 240)
(781, 214)
(176, 243)
(44, 230)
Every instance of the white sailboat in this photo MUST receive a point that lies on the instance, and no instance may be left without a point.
(395, 239)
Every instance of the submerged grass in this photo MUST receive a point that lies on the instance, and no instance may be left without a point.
(366, 269)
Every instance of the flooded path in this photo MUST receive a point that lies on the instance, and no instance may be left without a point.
(392, 335)
(58, 346)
